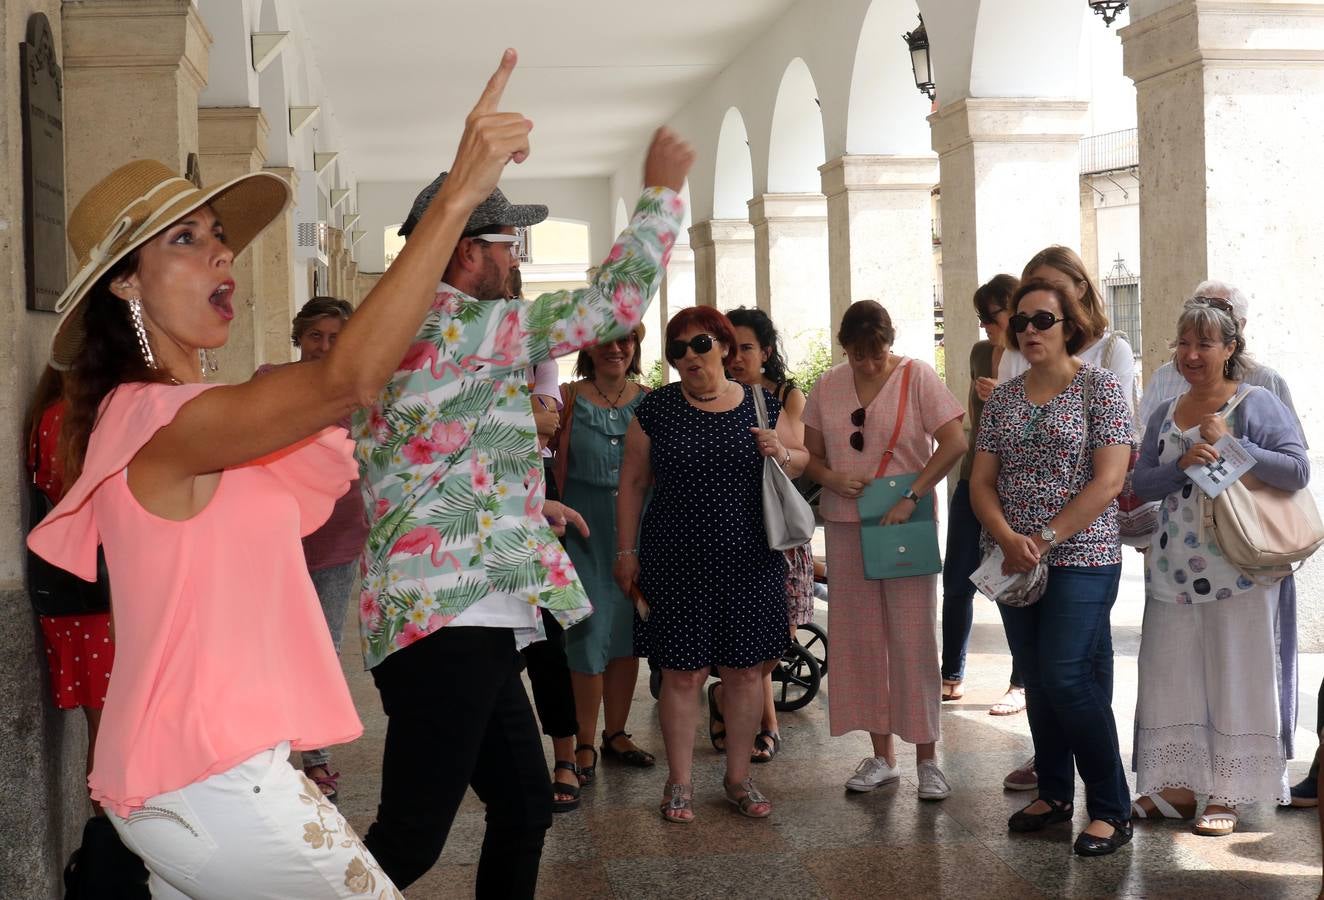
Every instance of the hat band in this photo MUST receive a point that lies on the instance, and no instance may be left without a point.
(124, 227)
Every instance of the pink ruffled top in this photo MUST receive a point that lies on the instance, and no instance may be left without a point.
(221, 645)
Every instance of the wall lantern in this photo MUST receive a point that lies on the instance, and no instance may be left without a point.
(1109, 9)
(918, 42)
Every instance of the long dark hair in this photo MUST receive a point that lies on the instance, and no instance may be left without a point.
(757, 321)
(109, 357)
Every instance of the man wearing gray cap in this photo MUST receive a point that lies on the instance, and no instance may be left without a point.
(461, 561)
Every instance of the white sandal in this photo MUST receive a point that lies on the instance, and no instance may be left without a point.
(1164, 809)
(1219, 824)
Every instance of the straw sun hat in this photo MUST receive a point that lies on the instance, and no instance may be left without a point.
(134, 204)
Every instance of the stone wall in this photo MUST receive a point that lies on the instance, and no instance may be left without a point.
(42, 790)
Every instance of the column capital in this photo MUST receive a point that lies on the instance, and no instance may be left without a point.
(1189, 32)
(113, 34)
(859, 172)
(1007, 120)
(720, 231)
(233, 129)
(787, 207)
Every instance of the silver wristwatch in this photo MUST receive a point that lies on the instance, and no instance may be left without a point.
(1049, 536)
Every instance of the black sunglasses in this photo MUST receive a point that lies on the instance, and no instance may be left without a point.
(991, 318)
(1042, 321)
(857, 437)
(700, 344)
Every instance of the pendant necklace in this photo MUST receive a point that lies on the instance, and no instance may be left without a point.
(613, 413)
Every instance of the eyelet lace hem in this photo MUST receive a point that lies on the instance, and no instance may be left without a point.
(1234, 768)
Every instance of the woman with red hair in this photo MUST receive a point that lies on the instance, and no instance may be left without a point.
(713, 591)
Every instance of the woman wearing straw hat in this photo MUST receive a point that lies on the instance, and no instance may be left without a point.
(199, 495)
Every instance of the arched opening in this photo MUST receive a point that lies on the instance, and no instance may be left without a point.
(886, 114)
(796, 148)
(733, 173)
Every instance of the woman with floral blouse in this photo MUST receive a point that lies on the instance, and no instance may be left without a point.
(1048, 468)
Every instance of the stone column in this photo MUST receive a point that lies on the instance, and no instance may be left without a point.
(791, 267)
(278, 270)
(1231, 189)
(880, 242)
(232, 141)
(335, 239)
(723, 263)
(1226, 192)
(1010, 175)
(352, 283)
(133, 70)
(677, 292)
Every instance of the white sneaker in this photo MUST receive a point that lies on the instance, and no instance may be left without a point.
(872, 772)
(932, 783)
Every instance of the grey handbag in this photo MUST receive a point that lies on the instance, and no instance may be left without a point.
(787, 516)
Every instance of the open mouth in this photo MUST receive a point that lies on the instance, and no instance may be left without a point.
(220, 299)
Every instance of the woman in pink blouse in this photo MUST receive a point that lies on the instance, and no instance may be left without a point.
(199, 494)
(885, 672)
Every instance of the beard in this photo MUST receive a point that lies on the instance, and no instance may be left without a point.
(491, 284)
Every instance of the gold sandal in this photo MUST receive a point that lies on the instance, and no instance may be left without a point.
(952, 689)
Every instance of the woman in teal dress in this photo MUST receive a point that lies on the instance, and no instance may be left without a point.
(600, 649)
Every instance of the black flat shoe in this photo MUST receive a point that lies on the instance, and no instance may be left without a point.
(1025, 822)
(1089, 845)
(569, 793)
(589, 772)
(640, 759)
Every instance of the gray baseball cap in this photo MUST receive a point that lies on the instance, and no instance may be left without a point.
(496, 210)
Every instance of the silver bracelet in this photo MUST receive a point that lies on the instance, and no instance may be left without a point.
(620, 553)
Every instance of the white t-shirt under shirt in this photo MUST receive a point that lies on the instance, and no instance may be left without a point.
(1120, 360)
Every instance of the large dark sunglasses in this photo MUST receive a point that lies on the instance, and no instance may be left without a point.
(1042, 321)
(990, 319)
(700, 344)
(857, 437)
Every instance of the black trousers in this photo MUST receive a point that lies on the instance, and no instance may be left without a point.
(458, 716)
(549, 674)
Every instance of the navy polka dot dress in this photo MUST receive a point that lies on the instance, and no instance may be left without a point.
(716, 592)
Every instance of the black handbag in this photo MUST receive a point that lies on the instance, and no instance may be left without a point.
(103, 868)
(54, 591)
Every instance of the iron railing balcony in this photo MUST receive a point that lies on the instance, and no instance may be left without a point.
(1114, 151)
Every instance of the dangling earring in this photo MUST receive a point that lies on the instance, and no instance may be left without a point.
(139, 329)
(206, 362)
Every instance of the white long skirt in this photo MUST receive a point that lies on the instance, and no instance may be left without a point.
(1207, 711)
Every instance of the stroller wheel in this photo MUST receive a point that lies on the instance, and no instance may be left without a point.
(814, 639)
(795, 680)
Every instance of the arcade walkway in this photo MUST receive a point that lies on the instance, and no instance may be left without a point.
(824, 842)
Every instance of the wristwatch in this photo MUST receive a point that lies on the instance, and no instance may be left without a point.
(1049, 536)
(910, 495)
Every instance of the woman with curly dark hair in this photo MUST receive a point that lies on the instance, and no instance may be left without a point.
(758, 362)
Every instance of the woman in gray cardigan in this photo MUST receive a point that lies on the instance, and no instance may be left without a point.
(1208, 705)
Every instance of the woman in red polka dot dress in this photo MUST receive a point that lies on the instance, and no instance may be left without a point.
(79, 648)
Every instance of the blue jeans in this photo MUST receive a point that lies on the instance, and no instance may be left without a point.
(958, 591)
(1063, 647)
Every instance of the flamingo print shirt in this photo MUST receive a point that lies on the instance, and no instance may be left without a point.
(448, 454)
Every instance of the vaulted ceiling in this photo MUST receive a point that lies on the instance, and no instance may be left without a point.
(595, 76)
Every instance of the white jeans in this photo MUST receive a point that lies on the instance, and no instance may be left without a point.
(259, 830)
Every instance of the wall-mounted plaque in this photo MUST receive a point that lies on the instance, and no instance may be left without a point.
(43, 166)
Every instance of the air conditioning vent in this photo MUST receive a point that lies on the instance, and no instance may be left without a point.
(309, 228)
